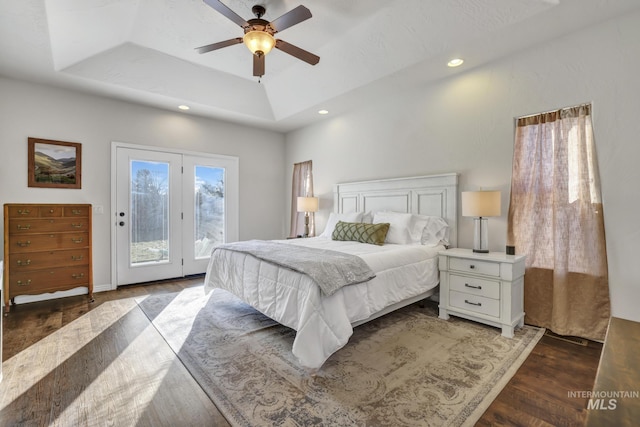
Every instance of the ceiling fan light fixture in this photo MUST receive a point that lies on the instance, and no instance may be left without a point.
(259, 41)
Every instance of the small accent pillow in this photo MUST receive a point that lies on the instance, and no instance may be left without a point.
(361, 232)
(335, 217)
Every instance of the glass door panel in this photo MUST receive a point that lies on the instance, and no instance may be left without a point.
(208, 210)
(149, 212)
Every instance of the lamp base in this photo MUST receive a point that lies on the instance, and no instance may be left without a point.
(480, 236)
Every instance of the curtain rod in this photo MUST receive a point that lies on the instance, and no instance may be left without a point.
(553, 111)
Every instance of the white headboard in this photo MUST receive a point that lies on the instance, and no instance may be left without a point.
(425, 195)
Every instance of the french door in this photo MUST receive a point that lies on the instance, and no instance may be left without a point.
(171, 209)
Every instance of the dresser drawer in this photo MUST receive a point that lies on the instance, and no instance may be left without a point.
(76, 211)
(474, 286)
(474, 266)
(23, 211)
(43, 280)
(478, 304)
(38, 260)
(53, 225)
(43, 242)
(50, 211)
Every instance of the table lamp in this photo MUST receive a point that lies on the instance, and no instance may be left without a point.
(306, 205)
(480, 205)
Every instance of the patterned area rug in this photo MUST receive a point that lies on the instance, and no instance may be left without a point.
(407, 368)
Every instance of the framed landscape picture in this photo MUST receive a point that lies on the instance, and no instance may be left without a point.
(54, 164)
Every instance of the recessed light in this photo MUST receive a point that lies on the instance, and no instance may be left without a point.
(456, 62)
(323, 111)
(183, 107)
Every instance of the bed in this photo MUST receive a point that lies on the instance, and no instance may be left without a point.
(404, 273)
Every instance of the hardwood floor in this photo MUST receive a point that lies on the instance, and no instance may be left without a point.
(67, 362)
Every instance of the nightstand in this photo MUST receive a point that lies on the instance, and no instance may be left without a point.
(484, 287)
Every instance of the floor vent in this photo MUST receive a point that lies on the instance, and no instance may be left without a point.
(575, 340)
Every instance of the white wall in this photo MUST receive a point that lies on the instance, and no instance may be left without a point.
(465, 124)
(29, 110)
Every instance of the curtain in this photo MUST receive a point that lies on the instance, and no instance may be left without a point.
(302, 186)
(556, 220)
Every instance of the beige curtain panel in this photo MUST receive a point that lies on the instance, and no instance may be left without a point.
(302, 186)
(556, 220)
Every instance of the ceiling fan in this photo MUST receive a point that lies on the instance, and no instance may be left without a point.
(258, 34)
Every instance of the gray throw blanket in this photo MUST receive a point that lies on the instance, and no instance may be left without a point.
(331, 270)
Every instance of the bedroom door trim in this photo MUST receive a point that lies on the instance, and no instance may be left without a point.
(186, 184)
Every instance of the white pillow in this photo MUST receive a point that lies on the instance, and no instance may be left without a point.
(435, 232)
(335, 217)
(405, 228)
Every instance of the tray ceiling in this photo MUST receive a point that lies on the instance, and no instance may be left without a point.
(143, 50)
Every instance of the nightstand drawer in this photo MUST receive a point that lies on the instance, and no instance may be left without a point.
(474, 266)
(488, 306)
(475, 286)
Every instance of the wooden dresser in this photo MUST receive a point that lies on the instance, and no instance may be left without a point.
(47, 248)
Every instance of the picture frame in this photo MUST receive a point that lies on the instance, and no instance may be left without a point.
(54, 164)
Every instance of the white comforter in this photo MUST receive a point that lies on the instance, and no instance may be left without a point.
(323, 324)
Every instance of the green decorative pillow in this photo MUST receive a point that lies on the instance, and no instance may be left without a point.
(361, 232)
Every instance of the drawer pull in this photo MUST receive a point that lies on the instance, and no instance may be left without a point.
(24, 212)
(50, 210)
(77, 240)
(478, 304)
(24, 244)
(76, 258)
(20, 283)
(27, 262)
(78, 276)
(472, 266)
(76, 225)
(76, 211)
(472, 286)
(24, 227)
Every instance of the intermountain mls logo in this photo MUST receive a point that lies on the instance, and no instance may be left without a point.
(604, 400)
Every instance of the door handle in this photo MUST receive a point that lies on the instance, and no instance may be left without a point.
(121, 223)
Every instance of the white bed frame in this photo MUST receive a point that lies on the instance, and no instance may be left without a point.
(435, 195)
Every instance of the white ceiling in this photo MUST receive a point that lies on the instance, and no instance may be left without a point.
(143, 50)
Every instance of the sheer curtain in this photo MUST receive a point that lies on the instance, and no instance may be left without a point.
(302, 186)
(556, 220)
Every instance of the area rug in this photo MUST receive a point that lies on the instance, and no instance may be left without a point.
(408, 368)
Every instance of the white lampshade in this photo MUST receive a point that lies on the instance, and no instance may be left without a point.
(259, 41)
(307, 204)
(481, 203)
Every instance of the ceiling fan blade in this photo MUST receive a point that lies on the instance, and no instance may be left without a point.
(302, 54)
(220, 7)
(258, 65)
(291, 18)
(219, 45)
